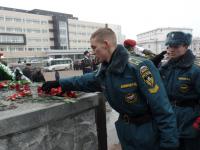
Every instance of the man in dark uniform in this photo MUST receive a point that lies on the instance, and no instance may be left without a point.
(87, 63)
(182, 81)
(37, 75)
(27, 71)
(133, 88)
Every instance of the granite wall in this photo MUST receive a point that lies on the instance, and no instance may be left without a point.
(40, 129)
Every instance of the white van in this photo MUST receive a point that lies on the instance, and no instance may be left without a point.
(58, 64)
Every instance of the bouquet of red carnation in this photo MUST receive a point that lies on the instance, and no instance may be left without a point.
(196, 124)
(21, 91)
(56, 92)
(3, 84)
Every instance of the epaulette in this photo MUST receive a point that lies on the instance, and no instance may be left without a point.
(135, 60)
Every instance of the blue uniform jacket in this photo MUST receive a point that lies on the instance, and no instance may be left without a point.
(131, 86)
(182, 81)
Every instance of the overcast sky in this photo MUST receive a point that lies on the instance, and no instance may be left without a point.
(135, 16)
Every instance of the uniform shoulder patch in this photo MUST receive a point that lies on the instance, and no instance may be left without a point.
(148, 79)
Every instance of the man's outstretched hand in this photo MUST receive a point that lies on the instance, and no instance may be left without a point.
(47, 86)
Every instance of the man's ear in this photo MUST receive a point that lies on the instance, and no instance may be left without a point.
(107, 44)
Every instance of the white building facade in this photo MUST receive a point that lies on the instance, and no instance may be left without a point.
(36, 33)
(154, 40)
(80, 32)
(196, 46)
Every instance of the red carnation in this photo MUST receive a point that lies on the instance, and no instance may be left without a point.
(196, 124)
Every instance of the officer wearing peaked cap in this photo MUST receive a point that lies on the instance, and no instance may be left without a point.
(181, 78)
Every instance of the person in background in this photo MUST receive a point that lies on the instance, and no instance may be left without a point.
(27, 71)
(135, 90)
(181, 78)
(1, 60)
(57, 75)
(37, 75)
(87, 63)
(130, 45)
(19, 61)
(95, 64)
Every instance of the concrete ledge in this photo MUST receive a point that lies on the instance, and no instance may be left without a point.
(33, 115)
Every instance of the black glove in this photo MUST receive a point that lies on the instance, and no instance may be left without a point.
(47, 86)
(168, 148)
(157, 59)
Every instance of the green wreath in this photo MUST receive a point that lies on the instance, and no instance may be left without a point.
(5, 73)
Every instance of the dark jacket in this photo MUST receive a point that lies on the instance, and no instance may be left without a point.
(27, 72)
(37, 76)
(132, 86)
(87, 65)
(181, 78)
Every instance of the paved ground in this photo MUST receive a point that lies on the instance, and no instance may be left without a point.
(111, 114)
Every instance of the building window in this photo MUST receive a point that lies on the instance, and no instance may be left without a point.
(2, 29)
(45, 40)
(33, 31)
(18, 30)
(20, 49)
(44, 22)
(12, 39)
(39, 49)
(31, 49)
(46, 49)
(9, 29)
(11, 49)
(63, 41)
(1, 18)
(9, 19)
(36, 21)
(32, 21)
(17, 19)
(63, 32)
(62, 24)
(44, 30)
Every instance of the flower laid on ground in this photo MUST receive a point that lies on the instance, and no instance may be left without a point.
(57, 92)
(21, 87)
(12, 84)
(22, 90)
